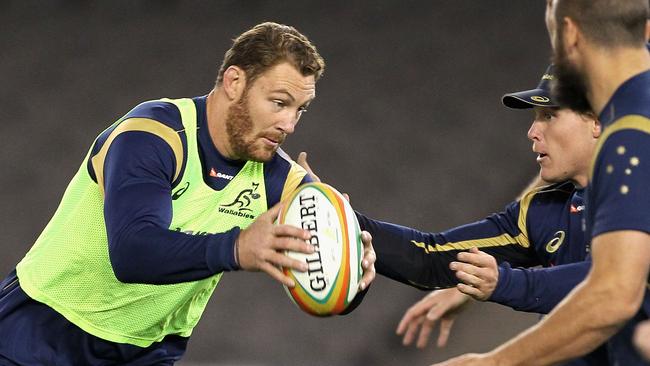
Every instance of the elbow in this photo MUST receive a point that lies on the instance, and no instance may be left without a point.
(623, 308)
(621, 301)
(615, 314)
(124, 278)
(128, 256)
(123, 272)
(122, 263)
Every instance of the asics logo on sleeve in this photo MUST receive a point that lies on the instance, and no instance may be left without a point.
(176, 195)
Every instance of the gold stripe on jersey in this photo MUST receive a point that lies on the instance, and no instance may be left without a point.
(630, 122)
(501, 240)
(294, 177)
(144, 125)
(524, 204)
(496, 241)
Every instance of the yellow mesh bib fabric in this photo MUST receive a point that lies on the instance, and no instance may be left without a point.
(68, 267)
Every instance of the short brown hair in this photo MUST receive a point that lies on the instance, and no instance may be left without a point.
(609, 23)
(268, 44)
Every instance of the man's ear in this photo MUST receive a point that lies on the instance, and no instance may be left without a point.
(571, 36)
(597, 129)
(234, 82)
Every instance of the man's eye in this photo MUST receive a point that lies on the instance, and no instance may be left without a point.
(279, 103)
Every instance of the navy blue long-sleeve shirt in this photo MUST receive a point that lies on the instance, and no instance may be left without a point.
(138, 181)
(545, 228)
(537, 290)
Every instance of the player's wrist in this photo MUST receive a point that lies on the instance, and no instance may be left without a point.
(501, 286)
(239, 248)
(236, 252)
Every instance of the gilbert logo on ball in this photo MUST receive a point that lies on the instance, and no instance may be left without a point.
(334, 269)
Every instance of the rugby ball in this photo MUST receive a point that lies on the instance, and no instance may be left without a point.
(334, 269)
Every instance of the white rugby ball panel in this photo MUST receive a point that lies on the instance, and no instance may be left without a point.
(334, 269)
(356, 251)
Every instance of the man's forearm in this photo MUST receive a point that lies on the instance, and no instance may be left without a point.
(421, 259)
(537, 290)
(574, 328)
(610, 295)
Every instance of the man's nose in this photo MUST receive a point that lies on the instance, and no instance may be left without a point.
(287, 123)
(534, 132)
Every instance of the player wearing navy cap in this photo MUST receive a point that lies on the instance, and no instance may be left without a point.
(538, 97)
(602, 65)
(563, 154)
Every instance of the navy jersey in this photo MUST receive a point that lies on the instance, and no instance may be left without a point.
(618, 198)
(619, 194)
(139, 218)
(544, 228)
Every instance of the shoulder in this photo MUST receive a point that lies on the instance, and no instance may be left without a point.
(164, 112)
(159, 118)
(635, 124)
(621, 150)
(157, 123)
(283, 162)
(550, 193)
(282, 175)
(544, 202)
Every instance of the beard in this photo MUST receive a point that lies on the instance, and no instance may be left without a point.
(569, 88)
(239, 127)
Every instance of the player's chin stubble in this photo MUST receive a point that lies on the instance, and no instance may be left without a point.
(239, 125)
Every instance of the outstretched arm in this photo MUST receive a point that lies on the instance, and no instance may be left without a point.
(422, 259)
(441, 306)
(536, 290)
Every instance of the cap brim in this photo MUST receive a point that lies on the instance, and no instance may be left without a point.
(528, 99)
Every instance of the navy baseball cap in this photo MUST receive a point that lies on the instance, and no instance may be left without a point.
(538, 97)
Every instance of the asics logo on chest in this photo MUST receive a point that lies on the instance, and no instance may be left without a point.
(553, 244)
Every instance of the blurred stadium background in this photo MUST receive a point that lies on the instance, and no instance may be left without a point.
(408, 121)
